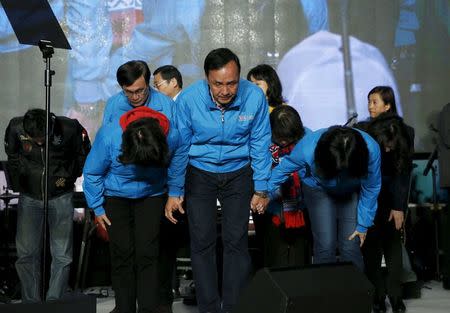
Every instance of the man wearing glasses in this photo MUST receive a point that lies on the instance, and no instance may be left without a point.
(134, 77)
(167, 79)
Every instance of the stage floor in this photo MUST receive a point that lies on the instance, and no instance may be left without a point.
(434, 299)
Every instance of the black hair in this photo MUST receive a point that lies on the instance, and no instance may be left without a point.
(391, 132)
(341, 150)
(129, 72)
(269, 75)
(387, 95)
(144, 143)
(218, 58)
(286, 125)
(34, 123)
(168, 72)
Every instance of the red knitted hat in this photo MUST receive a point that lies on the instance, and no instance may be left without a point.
(142, 112)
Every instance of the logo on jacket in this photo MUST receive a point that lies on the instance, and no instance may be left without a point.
(56, 140)
(245, 118)
(27, 146)
(61, 182)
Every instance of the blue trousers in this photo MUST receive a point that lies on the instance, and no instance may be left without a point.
(333, 219)
(30, 219)
(234, 191)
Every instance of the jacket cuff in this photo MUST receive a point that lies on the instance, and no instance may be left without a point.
(261, 185)
(175, 191)
(99, 211)
(361, 229)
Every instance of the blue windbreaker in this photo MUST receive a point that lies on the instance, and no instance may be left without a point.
(104, 175)
(118, 105)
(226, 141)
(301, 159)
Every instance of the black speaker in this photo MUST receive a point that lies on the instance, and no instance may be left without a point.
(71, 303)
(321, 288)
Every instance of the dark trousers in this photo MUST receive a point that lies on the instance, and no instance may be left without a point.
(174, 238)
(134, 246)
(384, 239)
(285, 247)
(234, 191)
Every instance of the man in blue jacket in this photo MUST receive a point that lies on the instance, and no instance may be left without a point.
(225, 121)
(134, 79)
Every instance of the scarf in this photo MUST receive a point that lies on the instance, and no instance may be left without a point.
(290, 193)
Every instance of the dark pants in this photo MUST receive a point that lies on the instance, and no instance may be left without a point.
(234, 191)
(174, 238)
(384, 239)
(285, 247)
(134, 246)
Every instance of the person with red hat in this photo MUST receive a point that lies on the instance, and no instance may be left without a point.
(132, 168)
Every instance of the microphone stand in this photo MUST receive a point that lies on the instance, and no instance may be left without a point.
(348, 74)
(435, 207)
(47, 51)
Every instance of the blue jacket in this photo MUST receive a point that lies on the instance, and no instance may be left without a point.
(226, 141)
(104, 175)
(301, 159)
(118, 105)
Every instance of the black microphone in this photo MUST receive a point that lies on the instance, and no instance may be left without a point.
(351, 120)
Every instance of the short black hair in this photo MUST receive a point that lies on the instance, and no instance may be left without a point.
(341, 150)
(168, 72)
(286, 125)
(129, 72)
(389, 130)
(387, 95)
(144, 143)
(218, 58)
(269, 75)
(34, 123)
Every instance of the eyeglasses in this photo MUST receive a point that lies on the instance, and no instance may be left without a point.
(139, 92)
(158, 84)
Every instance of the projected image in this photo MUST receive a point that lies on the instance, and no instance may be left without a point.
(401, 43)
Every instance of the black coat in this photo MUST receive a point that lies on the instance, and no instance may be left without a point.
(68, 149)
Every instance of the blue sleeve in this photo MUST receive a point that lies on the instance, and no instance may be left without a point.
(289, 164)
(95, 169)
(183, 123)
(370, 187)
(176, 171)
(260, 139)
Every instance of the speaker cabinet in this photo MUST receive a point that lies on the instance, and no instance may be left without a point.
(321, 288)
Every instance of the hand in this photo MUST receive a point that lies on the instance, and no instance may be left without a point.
(259, 204)
(362, 237)
(78, 215)
(102, 220)
(398, 217)
(174, 204)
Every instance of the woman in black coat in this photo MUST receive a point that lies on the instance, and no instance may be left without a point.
(396, 140)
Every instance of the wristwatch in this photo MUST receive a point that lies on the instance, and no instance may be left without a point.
(261, 194)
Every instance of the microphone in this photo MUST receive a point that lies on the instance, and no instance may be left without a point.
(351, 120)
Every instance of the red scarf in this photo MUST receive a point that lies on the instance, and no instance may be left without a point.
(292, 216)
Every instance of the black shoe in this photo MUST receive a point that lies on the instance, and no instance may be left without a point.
(379, 306)
(397, 305)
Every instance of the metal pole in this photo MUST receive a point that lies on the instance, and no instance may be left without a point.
(348, 74)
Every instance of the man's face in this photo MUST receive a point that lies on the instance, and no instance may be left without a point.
(137, 92)
(224, 83)
(165, 86)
